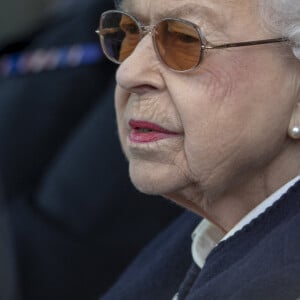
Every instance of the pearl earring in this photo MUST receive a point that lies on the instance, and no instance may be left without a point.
(294, 132)
(294, 126)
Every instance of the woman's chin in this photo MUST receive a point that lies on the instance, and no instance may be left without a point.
(156, 178)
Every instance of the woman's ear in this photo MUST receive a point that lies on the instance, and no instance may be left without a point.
(294, 126)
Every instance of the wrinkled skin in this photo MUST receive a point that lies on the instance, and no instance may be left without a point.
(231, 114)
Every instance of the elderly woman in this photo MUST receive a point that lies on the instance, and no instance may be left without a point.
(208, 110)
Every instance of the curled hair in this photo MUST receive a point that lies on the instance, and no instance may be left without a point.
(283, 17)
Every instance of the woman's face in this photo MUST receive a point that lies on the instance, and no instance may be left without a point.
(202, 133)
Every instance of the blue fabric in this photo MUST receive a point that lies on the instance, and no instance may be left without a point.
(260, 262)
(158, 271)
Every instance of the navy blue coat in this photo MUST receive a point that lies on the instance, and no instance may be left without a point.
(259, 262)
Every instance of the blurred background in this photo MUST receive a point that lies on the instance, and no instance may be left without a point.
(21, 17)
(73, 219)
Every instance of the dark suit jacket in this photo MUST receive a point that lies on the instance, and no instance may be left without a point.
(259, 262)
(77, 221)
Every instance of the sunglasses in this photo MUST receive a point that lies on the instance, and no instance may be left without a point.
(179, 44)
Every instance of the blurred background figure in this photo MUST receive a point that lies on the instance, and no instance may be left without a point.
(76, 219)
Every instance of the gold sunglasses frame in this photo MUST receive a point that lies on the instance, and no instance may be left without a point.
(205, 45)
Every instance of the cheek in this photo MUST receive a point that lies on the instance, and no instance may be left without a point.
(200, 104)
(226, 114)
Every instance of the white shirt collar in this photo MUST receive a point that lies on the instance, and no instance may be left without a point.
(207, 235)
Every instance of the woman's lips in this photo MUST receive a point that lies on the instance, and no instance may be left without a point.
(146, 132)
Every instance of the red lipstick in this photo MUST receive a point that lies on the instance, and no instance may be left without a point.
(146, 132)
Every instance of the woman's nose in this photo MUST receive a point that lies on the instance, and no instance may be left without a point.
(140, 70)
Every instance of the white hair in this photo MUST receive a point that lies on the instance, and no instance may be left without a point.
(283, 17)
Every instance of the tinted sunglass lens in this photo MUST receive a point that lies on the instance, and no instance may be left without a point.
(178, 44)
(119, 35)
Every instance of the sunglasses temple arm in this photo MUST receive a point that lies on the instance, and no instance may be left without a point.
(243, 44)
